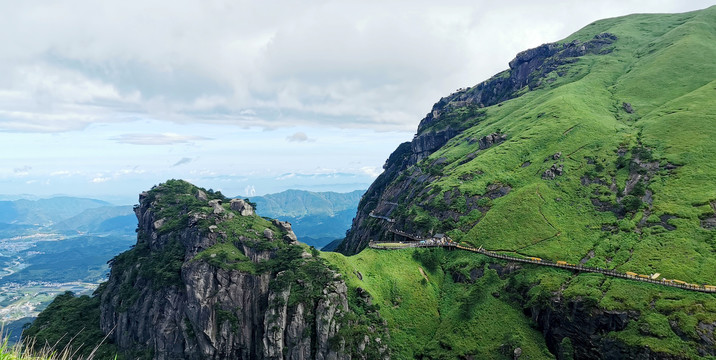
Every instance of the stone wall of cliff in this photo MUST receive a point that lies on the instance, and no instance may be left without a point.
(200, 288)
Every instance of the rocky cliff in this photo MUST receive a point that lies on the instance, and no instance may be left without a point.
(206, 282)
(448, 118)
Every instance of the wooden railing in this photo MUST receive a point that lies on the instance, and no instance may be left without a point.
(537, 261)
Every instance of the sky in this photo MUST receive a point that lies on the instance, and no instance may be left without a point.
(106, 98)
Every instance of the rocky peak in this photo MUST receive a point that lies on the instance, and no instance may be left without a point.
(202, 283)
(241, 206)
(528, 68)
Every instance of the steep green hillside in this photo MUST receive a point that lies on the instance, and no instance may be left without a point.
(661, 155)
(435, 312)
(599, 149)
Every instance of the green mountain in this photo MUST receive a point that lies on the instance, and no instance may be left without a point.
(210, 279)
(595, 150)
(317, 218)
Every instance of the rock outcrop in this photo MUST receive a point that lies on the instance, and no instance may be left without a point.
(242, 207)
(168, 299)
(554, 171)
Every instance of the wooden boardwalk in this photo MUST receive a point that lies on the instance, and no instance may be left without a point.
(538, 261)
(430, 242)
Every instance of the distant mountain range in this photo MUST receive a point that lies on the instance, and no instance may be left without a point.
(65, 238)
(317, 217)
(45, 211)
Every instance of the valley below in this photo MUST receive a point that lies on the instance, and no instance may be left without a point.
(40, 265)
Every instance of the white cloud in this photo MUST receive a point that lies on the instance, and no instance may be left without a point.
(371, 171)
(100, 179)
(22, 171)
(286, 176)
(349, 64)
(250, 190)
(299, 137)
(61, 173)
(157, 139)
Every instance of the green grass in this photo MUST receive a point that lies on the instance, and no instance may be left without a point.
(227, 256)
(439, 318)
(663, 66)
(68, 329)
(582, 118)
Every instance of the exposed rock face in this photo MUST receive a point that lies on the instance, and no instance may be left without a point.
(707, 335)
(285, 226)
(488, 141)
(588, 326)
(268, 234)
(527, 69)
(242, 207)
(710, 222)
(425, 144)
(209, 312)
(216, 205)
(584, 325)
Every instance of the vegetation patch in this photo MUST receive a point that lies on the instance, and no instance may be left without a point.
(71, 322)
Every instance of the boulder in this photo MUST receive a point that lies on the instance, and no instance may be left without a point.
(216, 204)
(268, 234)
(490, 140)
(201, 196)
(242, 207)
(285, 226)
(627, 107)
(552, 172)
(157, 224)
(517, 353)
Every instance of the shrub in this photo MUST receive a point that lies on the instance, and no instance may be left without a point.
(631, 203)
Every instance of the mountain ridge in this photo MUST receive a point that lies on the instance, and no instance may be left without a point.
(599, 158)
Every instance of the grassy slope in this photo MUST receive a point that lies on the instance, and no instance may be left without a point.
(669, 80)
(439, 318)
(661, 64)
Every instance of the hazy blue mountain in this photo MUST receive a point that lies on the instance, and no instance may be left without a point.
(50, 246)
(317, 217)
(45, 211)
(296, 203)
(100, 220)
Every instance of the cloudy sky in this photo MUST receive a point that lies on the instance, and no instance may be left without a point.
(107, 98)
